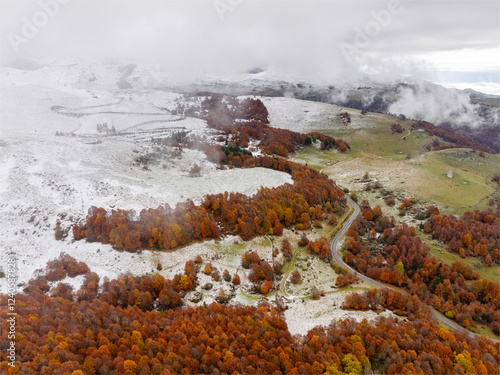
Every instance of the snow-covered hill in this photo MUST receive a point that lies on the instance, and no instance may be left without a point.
(47, 177)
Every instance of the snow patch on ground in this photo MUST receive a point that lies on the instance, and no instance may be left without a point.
(74, 282)
(303, 316)
(307, 116)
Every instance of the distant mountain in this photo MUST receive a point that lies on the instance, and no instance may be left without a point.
(415, 99)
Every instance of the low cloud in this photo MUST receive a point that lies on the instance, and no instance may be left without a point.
(436, 104)
(294, 37)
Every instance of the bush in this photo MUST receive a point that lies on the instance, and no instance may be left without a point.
(344, 280)
(277, 266)
(296, 277)
(208, 270)
(315, 293)
(396, 128)
(286, 249)
(390, 201)
(303, 240)
(266, 287)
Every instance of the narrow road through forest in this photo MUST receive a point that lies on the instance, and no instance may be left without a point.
(378, 284)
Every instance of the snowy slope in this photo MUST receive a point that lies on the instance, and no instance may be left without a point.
(306, 116)
(49, 178)
(45, 177)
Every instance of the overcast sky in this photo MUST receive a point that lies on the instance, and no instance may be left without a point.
(310, 38)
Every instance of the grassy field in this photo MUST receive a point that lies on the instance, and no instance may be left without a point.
(402, 162)
(372, 134)
(424, 177)
(318, 159)
(484, 330)
(380, 141)
(471, 182)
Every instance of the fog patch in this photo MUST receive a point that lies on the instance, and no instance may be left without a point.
(435, 104)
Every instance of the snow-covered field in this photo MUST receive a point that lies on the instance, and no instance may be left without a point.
(52, 177)
(47, 110)
(46, 177)
(307, 116)
(302, 316)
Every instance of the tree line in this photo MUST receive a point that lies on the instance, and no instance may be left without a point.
(485, 140)
(475, 233)
(266, 212)
(247, 119)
